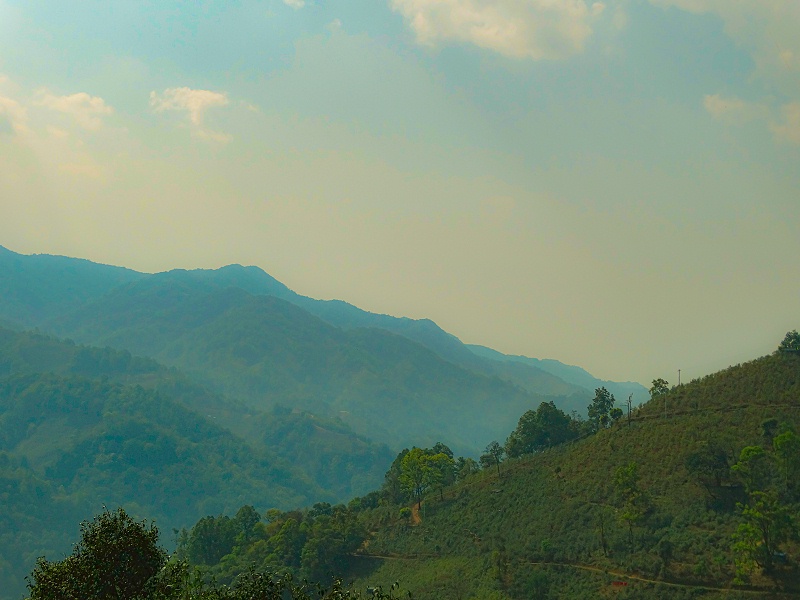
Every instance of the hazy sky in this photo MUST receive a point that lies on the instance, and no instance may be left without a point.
(613, 184)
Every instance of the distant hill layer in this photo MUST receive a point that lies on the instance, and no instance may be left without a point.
(39, 287)
(571, 374)
(84, 427)
(359, 463)
(54, 286)
(268, 352)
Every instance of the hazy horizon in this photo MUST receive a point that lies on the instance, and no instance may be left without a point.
(610, 184)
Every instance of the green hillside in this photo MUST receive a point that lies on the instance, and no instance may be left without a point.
(84, 427)
(423, 331)
(651, 503)
(71, 445)
(267, 352)
(332, 455)
(703, 502)
(39, 287)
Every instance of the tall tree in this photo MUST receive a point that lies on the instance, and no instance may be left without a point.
(787, 450)
(766, 525)
(709, 464)
(600, 408)
(392, 488)
(790, 343)
(116, 559)
(419, 470)
(633, 502)
(659, 387)
(495, 452)
(547, 426)
(756, 468)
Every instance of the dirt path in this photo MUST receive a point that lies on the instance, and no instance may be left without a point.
(629, 576)
(415, 518)
(615, 573)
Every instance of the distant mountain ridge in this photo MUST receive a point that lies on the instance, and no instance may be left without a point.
(570, 373)
(99, 304)
(38, 287)
(266, 352)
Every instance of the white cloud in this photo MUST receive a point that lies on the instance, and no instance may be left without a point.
(730, 110)
(536, 29)
(57, 132)
(85, 109)
(295, 4)
(15, 114)
(789, 129)
(194, 102)
(768, 31)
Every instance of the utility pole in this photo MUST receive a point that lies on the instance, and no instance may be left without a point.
(629, 408)
(679, 377)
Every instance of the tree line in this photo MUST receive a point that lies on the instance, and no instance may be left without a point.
(119, 558)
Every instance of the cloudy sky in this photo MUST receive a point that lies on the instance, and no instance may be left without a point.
(614, 184)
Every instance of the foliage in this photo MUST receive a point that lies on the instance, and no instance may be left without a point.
(787, 452)
(600, 409)
(422, 469)
(117, 558)
(709, 464)
(756, 468)
(659, 387)
(765, 526)
(315, 543)
(547, 426)
(654, 498)
(632, 502)
(493, 454)
(790, 343)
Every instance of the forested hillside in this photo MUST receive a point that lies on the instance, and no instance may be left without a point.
(699, 501)
(36, 288)
(84, 427)
(267, 352)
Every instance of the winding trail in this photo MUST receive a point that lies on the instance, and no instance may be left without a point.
(613, 572)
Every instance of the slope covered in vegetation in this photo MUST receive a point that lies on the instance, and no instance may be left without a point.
(84, 427)
(702, 501)
(672, 506)
(267, 352)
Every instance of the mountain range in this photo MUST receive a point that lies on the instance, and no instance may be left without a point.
(188, 393)
(246, 335)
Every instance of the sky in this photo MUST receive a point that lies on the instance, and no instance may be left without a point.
(612, 184)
